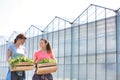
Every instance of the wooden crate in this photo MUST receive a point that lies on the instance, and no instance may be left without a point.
(22, 66)
(46, 68)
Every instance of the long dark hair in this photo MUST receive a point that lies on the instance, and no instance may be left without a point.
(48, 46)
(19, 36)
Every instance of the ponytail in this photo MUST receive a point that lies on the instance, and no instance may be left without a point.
(48, 47)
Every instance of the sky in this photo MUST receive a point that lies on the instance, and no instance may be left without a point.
(18, 15)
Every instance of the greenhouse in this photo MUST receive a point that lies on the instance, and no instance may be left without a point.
(86, 49)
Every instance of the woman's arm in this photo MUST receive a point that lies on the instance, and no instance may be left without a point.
(8, 55)
(52, 55)
(35, 58)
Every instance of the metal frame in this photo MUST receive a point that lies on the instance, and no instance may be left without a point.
(87, 45)
(105, 47)
(5, 40)
(95, 43)
(71, 56)
(117, 64)
(78, 49)
(58, 47)
(78, 18)
(11, 38)
(33, 26)
(56, 17)
(117, 53)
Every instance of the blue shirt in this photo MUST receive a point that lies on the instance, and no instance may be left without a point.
(16, 51)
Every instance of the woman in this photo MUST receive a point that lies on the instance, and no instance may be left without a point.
(44, 52)
(16, 49)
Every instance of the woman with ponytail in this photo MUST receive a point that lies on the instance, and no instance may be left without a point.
(44, 52)
(14, 50)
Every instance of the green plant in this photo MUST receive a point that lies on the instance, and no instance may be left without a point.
(47, 61)
(18, 59)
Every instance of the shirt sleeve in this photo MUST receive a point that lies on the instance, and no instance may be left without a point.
(10, 48)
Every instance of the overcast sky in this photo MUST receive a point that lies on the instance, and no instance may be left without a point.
(18, 15)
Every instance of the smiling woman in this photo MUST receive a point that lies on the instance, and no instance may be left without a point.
(45, 53)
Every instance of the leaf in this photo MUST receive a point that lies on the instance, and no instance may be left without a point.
(18, 59)
(47, 61)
